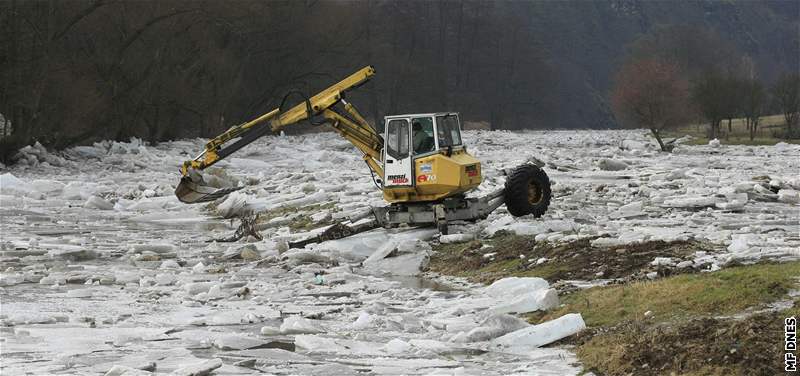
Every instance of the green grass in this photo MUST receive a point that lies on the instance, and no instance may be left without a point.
(724, 292)
(739, 134)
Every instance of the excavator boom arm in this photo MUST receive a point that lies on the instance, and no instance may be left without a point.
(350, 125)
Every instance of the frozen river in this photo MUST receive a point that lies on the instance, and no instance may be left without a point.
(103, 268)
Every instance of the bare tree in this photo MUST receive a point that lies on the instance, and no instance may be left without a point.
(709, 95)
(787, 93)
(752, 104)
(652, 94)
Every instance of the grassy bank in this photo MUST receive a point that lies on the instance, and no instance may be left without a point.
(769, 132)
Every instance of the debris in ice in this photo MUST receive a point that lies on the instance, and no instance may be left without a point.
(542, 334)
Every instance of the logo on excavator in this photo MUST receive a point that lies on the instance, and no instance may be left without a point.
(424, 178)
(398, 179)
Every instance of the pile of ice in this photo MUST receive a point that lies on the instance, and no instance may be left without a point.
(36, 155)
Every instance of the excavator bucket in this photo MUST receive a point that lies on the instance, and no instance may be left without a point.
(191, 191)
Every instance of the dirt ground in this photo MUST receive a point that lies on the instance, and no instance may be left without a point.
(579, 260)
(703, 346)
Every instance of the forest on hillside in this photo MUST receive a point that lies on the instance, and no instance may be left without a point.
(79, 71)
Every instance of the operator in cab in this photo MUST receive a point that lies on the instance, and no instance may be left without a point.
(422, 141)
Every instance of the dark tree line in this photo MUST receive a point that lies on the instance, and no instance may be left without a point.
(678, 72)
(83, 70)
(78, 71)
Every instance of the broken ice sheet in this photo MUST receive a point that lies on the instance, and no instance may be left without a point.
(172, 314)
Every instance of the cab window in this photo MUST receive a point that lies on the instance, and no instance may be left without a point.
(448, 131)
(397, 138)
(422, 135)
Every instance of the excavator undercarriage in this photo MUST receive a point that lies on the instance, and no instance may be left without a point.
(419, 162)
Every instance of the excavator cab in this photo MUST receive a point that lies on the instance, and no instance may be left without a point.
(424, 158)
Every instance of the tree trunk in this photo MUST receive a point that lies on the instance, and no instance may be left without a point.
(657, 135)
(730, 130)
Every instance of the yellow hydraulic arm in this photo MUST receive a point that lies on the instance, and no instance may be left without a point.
(350, 125)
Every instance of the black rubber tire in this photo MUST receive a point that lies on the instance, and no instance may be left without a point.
(527, 191)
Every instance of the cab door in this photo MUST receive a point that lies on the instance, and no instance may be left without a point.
(397, 164)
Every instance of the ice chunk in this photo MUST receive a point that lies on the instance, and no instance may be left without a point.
(740, 243)
(690, 202)
(363, 321)
(300, 325)
(714, 143)
(95, 202)
(382, 252)
(47, 186)
(611, 165)
(72, 253)
(120, 370)
(520, 295)
(634, 209)
(195, 288)
(456, 238)
(515, 286)
(737, 201)
(493, 327)
(410, 258)
(542, 334)
(11, 185)
(198, 369)
(634, 145)
(199, 268)
(165, 279)
(234, 205)
(789, 196)
(270, 331)
(397, 346)
(537, 300)
(663, 261)
(237, 342)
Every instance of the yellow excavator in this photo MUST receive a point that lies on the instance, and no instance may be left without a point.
(419, 162)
